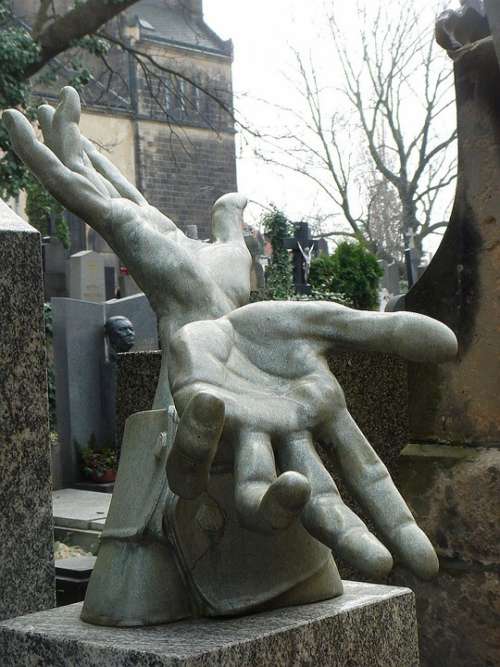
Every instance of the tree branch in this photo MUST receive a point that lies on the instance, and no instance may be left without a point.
(82, 20)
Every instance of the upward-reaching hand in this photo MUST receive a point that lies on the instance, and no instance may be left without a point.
(185, 279)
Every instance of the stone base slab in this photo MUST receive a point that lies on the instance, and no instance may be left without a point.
(368, 625)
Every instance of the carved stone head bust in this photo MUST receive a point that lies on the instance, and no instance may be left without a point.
(120, 333)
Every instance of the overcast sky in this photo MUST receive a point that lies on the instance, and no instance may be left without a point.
(264, 32)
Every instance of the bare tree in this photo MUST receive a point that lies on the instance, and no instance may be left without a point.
(94, 46)
(55, 30)
(395, 94)
(383, 218)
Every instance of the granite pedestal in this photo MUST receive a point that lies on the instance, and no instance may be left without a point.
(26, 532)
(369, 625)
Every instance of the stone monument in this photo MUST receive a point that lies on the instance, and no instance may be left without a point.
(120, 338)
(27, 580)
(86, 276)
(83, 389)
(450, 472)
(221, 505)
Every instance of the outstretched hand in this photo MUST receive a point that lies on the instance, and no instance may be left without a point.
(255, 387)
(184, 278)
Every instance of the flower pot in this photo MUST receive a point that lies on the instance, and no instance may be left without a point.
(107, 476)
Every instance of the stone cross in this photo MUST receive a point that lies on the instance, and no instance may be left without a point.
(304, 248)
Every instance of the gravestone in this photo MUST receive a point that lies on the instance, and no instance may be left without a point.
(303, 248)
(79, 362)
(390, 279)
(450, 472)
(26, 533)
(136, 308)
(55, 257)
(86, 276)
(78, 355)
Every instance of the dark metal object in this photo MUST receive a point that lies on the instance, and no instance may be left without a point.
(304, 248)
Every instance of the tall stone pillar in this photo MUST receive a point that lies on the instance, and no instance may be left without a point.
(26, 535)
(451, 471)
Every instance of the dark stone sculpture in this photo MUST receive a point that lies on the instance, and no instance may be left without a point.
(456, 28)
(120, 333)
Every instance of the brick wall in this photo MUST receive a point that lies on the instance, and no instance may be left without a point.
(184, 170)
(185, 140)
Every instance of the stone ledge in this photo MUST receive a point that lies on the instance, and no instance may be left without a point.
(369, 625)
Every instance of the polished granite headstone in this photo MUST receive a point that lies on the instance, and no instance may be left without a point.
(368, 625)
(80, 370)
(26, 535)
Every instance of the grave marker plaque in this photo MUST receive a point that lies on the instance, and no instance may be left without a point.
(86, 277)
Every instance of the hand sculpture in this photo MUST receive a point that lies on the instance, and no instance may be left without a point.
(184, 279)
(253, 390)
(268, 390)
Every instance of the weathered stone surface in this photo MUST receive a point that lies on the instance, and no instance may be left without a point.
(80, 509)
(457, 402)
(26, 552)
(458, 615)
(369, 625)
(376, 391)
(138, 374)
(380, 408)
(454, 492)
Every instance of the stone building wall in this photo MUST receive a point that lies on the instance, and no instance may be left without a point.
(175, 143)
(183, 175)
(185, 149)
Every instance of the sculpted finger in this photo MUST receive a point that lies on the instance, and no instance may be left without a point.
(45, 115)
(265, 502)
(332, 326)
(195, 445)
(65, 128)
(422, 339)
(67, 140)
(227, 218)
(74, 191)
(371, 484)
(111, 173)
(325, 515)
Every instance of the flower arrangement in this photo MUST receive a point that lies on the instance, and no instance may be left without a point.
(100, 464)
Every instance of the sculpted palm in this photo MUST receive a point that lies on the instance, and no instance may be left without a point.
(264, 370)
